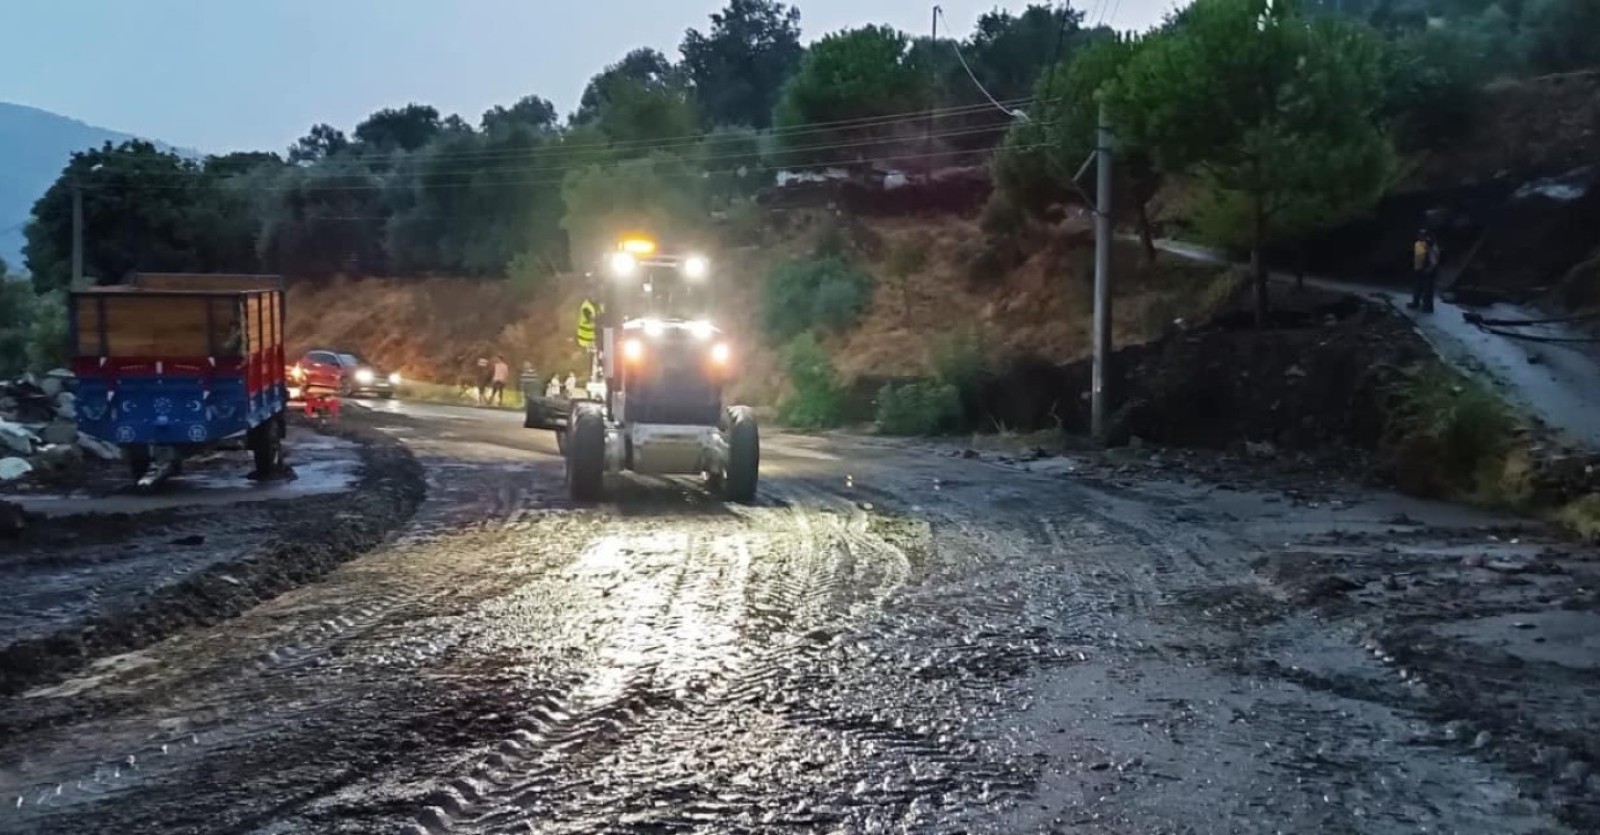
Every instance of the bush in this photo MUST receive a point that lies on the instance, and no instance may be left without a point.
(828, 292)
(1452, 434)
(33, 327)
(529, 274)
(925, 407)
(815, 400)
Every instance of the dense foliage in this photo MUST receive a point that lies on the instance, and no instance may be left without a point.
(1285, 112)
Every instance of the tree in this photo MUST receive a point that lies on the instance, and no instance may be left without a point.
(1560, 35)
(738, 69)
(1035, 166)
(143, 209)
(661, 192)
(405, 129)
(1275, 113)
(851, 75)
(637, 114)
(1009, 52)
(321, 142)
(644, 67)
(530, 112)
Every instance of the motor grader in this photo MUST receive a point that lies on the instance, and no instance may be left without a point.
(660, 367)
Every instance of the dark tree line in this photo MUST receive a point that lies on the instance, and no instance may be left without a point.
(524, 193)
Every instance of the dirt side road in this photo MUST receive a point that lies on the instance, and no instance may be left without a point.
(890, 640)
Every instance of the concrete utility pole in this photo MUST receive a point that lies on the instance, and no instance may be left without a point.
(77, 235)
(1102, 275)
(933, 89)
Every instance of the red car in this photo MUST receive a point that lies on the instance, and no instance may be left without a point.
(340, 372)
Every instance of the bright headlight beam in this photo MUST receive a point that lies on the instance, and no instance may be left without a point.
(364, 376)
(696, 266)
(394, 378)
(653, 328)
(632, 350)
(702, 329)
(623, 264)
(721, 353)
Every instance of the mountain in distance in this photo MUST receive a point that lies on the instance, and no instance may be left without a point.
(34, 146)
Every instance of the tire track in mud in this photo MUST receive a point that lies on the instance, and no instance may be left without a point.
(745, 614)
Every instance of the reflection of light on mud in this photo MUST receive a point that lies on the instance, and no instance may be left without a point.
(675, 605)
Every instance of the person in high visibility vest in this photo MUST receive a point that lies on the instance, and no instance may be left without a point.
(587, 313)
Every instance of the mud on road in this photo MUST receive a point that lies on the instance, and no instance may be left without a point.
(887, 640)
(81, 586)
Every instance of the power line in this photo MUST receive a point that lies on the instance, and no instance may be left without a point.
(669, 143)
(430, 179)
(685, 175)
(955, 46)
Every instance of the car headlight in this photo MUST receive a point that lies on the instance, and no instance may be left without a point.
(297, 373)
(633, 349)
(394, 378)
(721, 353)
(696, 266)
(364, 376)
(702, 329)
(623, 264)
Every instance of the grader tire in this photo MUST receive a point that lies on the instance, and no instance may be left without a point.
(586, 455)
(744, 456)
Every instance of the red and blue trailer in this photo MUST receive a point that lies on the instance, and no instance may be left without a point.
(172, 364)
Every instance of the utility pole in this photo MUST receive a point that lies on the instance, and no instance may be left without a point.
(1102, 275)
(77, 235)
(933, 88)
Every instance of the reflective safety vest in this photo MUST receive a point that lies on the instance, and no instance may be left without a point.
(586, 316)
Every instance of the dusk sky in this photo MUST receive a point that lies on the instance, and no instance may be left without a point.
(221, 75)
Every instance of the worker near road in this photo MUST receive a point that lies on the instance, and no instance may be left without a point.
(528, 381)
(498, 379)
(1425, 271)
(571, 385)
(484, 376)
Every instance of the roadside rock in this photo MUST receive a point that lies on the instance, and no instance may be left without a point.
(14, 468)
(17, 438)
(58, 462)
(99, 449)
(13, 519)
(59, 432)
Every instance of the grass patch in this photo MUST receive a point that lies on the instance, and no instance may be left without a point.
(816, 400)
(1452, 436)
(425, 392)
(925, 407)
(1582, 517)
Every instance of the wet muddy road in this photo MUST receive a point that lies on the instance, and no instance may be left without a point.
(889, 640)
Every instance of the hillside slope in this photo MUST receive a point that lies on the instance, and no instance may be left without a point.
(1037, 306)
(34, 146)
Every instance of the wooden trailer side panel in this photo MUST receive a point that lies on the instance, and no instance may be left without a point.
(135, 325)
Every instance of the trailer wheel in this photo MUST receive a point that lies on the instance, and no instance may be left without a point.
(744, 456)
(266, 444)
(586, 454)
(138, 457)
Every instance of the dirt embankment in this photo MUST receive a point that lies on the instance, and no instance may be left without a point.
(1028, 295)
(1313, 381)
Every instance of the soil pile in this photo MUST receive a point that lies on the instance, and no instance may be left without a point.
(1315, 381)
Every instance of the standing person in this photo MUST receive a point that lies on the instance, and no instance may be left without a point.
(498, 380)
(1425, 269)
(485, 375)
(528, 381)
(571, 384)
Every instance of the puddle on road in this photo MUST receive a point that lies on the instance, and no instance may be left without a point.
(322, 465)
(1568, 639)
